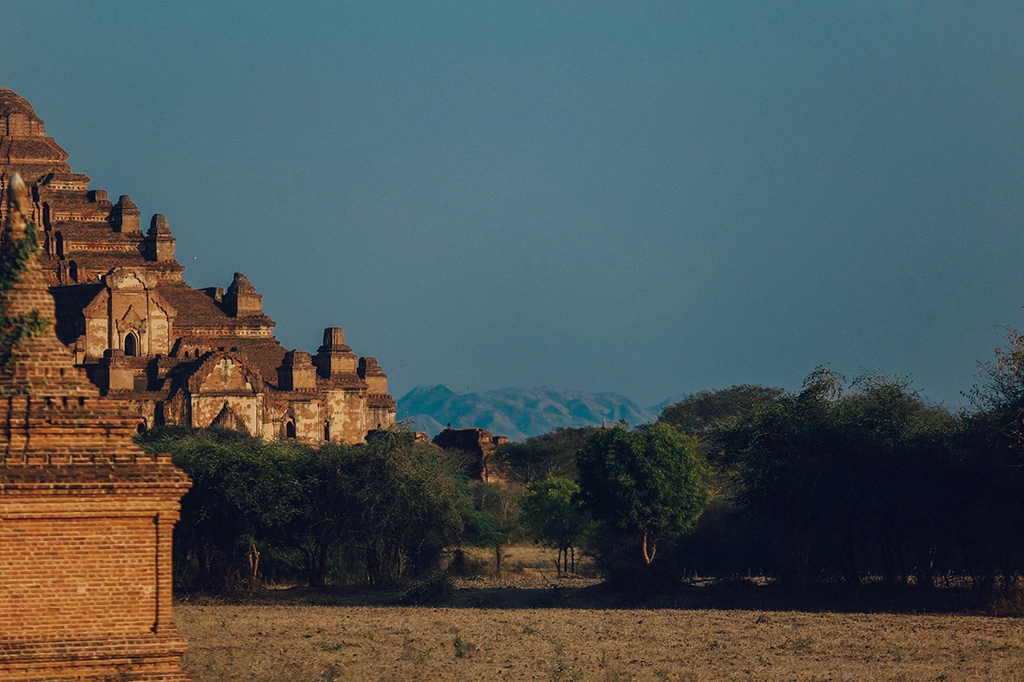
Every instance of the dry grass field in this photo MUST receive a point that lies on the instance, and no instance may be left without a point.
(531, 626)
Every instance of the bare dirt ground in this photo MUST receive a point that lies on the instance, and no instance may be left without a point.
(530, 625)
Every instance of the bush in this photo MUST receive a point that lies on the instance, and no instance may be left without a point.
(381, 512)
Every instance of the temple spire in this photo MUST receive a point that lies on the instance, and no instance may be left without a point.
(32, 359)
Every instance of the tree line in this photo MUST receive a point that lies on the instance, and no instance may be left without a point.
(282, 511)
(838, 482)
(384, 512)
(841, 481)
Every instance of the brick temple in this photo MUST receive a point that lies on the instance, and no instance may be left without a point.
(85, 514)
(476, 451)
(178, 355)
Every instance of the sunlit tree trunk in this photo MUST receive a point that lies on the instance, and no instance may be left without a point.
(254, 561)
(650, 547)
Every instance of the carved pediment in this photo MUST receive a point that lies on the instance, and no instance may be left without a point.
(157, 301)
(97, 307)
(228, 418)
(224, 373)
(123, 279)
(131, 321)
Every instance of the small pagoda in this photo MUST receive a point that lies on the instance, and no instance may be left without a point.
(85, 514)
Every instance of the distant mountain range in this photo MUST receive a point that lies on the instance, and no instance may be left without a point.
(517, 412)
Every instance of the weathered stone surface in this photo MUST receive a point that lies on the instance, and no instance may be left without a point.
(119, 289)
(477, 450)
(85, 514)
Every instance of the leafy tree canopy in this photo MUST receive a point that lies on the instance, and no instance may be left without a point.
(554, 515)
(844, 472)
(647, 481)
(550, 454)
(385, 509)
(700, 411)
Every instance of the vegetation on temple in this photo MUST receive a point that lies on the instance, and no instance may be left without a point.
(14, 329)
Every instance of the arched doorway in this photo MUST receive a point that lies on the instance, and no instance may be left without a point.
(289, 429)
(131, 344)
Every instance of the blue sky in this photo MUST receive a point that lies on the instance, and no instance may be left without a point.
(651, 198)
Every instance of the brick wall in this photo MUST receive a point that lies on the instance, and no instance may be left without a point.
(75, 577)
(85, 516)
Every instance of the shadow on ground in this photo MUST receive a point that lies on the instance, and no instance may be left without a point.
(590, 594)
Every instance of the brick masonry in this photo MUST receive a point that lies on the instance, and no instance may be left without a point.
(178, 355)
(86, 515)
(476, 451)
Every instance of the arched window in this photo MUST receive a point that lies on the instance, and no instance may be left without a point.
(327, 432)
(73, 270)
(131, 344)
(289, 429)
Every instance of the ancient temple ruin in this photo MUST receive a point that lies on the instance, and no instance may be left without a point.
(178, 355)
(85, 514)
(476, 451)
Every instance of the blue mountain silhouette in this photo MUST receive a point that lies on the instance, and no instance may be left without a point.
(516, 412)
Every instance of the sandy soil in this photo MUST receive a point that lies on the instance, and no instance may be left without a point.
(532, 626)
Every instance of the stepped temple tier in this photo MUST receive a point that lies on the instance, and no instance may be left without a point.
(178, 355)
(85, 514)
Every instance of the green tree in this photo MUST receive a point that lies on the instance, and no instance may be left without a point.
(849, 480)
(244, 492)
(784, 450)
(697, 413)
(326, 520)
(497, 517)
(902, 466)
(554, 515)
(645, 481)
(411, 506)
(386, 508)
(550, 454)
(723, 539)
(993, 473)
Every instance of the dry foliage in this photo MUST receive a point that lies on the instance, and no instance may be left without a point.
(544, 630)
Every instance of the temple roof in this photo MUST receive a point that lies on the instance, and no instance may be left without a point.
(85, 240)
(13, 103)
(53, 415)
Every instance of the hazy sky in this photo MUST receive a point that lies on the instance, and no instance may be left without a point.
(651, 198)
